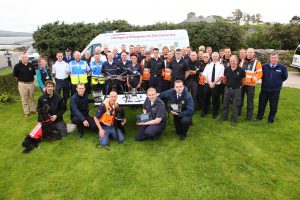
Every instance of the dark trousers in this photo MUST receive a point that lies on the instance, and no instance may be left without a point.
(166, 85)
(62, 85)
(89, 88)
(156, 82)
(61, 127)
(98, 87)
(115, 85)
(150, 131)
(201, 96)
(145, 85)
(182, 125)
(264, 97)
(222, 91)
(214, 94)
(233, 95)
(250, 91)
(192, 86)
(79, 124)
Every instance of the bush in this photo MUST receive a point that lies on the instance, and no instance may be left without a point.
(5, 98)
(8, 84)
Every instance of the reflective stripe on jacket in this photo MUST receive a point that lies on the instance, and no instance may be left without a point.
(78, 72)
(253, 69)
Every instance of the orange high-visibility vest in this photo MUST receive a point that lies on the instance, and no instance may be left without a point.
(167, 72)
(146, 71)
(253, 71)
(201, 79)
(108, 117)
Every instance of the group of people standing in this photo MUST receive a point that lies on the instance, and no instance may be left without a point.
(191, 80)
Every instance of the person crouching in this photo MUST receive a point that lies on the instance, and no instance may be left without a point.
(155, 107)
(104, 120)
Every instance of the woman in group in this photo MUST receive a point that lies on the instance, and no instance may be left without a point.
(42, 74)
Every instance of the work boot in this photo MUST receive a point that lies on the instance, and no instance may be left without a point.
(79, 136)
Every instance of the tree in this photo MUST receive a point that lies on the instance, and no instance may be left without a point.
(258, 18)
(237, 16)
(253, 19)
(295, 19)
(246, 18)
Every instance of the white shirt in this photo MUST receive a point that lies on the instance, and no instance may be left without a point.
(219, 71)
(61, 69)
(102, 57)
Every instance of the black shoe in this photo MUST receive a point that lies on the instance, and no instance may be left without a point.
(258, 119)
(182, 138)
(79, 136)
(249, 119)
(215, 116)
(233, 123)
(270, 121)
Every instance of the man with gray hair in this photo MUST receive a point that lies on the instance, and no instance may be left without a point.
(213, 74)
(24, 73)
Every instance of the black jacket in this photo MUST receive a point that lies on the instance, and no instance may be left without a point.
(80, 106)
(57, 106)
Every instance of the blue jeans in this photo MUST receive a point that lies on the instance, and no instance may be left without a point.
(110, 130)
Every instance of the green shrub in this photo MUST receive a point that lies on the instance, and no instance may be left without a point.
(8, 84)
(5, 98)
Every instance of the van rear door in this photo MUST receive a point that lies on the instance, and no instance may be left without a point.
(296, 58)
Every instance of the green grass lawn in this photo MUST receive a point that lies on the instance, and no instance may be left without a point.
(217, 161)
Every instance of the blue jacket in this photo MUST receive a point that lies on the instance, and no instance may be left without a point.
(185, 99)
(273, 77)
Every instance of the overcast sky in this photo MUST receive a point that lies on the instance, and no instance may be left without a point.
(26, 16)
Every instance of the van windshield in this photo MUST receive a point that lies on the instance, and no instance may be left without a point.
(297, 52)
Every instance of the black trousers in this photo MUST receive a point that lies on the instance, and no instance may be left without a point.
(182, 125)
(156, 82)
(150, 131)
(214, 94)
(192, 86)
(145, 85)
(166, 85)
(62, 85)
(250, 91)
(79, 124)
(264, 97)
(201, 96)
(89, 88)
(233, 95)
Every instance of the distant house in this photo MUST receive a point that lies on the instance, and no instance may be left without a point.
(192, 18)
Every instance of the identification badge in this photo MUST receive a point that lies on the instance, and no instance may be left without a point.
(47, 77)
(30, 68)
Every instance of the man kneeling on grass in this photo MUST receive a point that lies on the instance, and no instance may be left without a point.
(156, 123)
(105, 118)
(79, 104)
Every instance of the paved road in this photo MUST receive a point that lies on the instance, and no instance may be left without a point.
(293, 80)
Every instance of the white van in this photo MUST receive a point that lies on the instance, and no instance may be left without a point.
(158, 39)
(296, 58)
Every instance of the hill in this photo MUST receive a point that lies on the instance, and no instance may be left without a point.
(14, 34)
